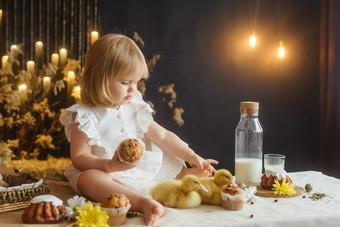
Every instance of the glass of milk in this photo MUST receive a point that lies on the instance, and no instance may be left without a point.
(274, 162)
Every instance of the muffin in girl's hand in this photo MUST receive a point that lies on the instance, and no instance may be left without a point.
(233, 197)
(116, 207)
(130, 150)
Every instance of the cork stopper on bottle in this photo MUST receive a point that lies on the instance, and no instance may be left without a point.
(250, 108)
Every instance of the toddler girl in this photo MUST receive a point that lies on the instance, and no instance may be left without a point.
(113, 110)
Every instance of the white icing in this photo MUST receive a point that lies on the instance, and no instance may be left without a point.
(276, 173)
(237, 197)
(47, 198)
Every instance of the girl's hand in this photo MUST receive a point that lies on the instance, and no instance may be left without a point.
(204, 164)
(116, 165)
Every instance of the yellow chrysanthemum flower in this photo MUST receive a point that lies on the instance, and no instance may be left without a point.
(284, 188)
(92, 216)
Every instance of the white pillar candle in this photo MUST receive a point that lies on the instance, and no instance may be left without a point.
(22, 89)
(94, 36)
(71, 76)
(70, 82)
(14, 50)
(39, 52)
(63, 56)
(0, 17)
(76, 92)
(30, 67)
(46, 83)
(55, 59)
(4, 61)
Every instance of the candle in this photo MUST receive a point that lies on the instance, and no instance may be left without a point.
(4, 61)
(46, 83)
(281, 51)
(70, 82)
(0, 17)
(55, 59)
(77, 89)
(39, 53)
(30, 67)
(252, 41)
(22, 89)
(63, 56)
(14, 49)
(76, 93)
(71, 76)
(94, 36)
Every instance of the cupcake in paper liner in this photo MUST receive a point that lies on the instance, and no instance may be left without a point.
(233, 198)
(116, 207)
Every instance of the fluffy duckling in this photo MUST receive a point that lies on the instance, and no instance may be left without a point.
(179, 193)
(214, 185)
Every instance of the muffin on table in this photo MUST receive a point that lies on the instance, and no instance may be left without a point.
(233, 197)
(116, 207)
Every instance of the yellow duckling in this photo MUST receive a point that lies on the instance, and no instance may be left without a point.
(214, 185)
(179, 193)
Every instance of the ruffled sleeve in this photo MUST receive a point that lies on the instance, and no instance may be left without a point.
(87, 122)
(143, 114)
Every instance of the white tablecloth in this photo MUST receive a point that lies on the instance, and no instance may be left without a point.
(296, 211)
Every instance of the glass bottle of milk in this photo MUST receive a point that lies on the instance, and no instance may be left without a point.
(248, 145)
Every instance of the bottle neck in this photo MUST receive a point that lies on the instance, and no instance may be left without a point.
(255, 115)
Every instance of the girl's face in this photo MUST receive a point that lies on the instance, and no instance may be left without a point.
(124, 88)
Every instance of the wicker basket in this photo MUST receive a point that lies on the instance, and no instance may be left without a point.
(24, 195)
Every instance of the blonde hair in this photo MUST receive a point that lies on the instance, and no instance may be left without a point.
(109, 57)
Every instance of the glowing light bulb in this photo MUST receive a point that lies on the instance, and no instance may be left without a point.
(281, 52)
(252, 41)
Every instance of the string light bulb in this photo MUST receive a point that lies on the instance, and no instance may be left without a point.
(281, 51)
(252, 41)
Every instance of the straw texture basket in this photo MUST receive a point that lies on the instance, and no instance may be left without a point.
(23, 195)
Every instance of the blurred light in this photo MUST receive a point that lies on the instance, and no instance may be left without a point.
(14, 47)
(252, 41)
(77, 88)
(281, 51)
(22, 87)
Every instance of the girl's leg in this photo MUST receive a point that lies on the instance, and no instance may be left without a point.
(98, 185)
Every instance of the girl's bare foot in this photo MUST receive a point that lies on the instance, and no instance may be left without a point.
(152, 211)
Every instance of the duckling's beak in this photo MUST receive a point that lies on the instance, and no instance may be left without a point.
(203, 188)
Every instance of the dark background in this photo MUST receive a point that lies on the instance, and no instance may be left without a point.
(205, 53)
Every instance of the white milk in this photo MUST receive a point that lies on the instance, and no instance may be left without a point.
(274, 167)
(248, 170)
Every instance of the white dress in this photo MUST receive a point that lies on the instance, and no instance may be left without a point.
(107, 127)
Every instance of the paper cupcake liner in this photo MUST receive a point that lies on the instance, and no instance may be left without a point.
(115, 211)
(226, 196)
(121, 160)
